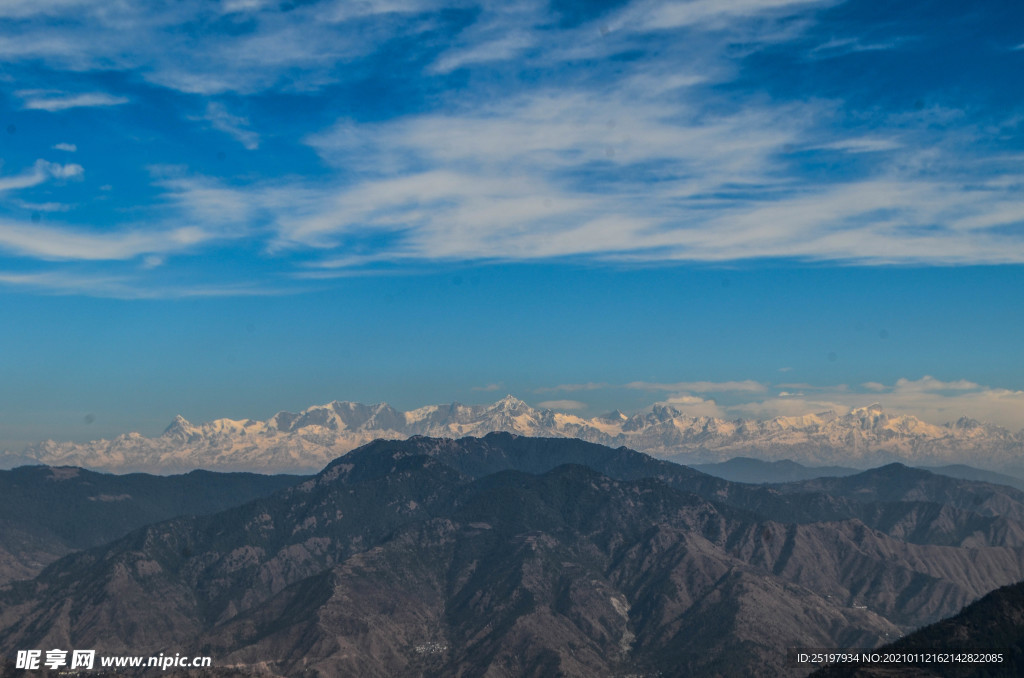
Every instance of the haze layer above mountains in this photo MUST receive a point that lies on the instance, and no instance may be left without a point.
(304, 442)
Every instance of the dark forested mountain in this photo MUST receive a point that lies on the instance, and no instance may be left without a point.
(47, 512)
(513, 556)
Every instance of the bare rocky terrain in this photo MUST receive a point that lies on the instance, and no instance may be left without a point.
(984, 640)
(515, 556)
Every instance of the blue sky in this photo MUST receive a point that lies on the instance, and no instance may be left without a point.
(743, 207)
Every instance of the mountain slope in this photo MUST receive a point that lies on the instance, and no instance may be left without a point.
(983, 515)
(502, 556)
(48, 512)
(896, 482)
(992, 625)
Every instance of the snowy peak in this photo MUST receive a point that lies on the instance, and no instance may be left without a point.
(336, 416)
(511, 405)
(179, 422)
(874, 409)
(967, 423)
(306, 441)
(180, 429)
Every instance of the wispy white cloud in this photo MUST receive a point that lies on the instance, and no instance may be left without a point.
(875, 221)
(666, 15)
(554, 174)
(47, 242)
(929, 384)
(41, 172)
(841, 46)
(20, 9)
(236, 126)
(206, 201)
(503, 48)
(43, 206)
(123, 286)
(70, 148)
(540, 176)
(49, 101)
(862, 145)
(182, 45)
(61, 282)
(695, 406)
(58, 171)
(504, 30)
(646, 162)
(233, 6)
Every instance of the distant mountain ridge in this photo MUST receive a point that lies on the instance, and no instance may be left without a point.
(48, 512)
(759, 472)
(305, 441)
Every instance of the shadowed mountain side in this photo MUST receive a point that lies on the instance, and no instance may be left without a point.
(757, 471)
(992, 625)
(607, 584)
(971, 473)
(48, 512)
(393, 562)
(896, 482)
(920, 516)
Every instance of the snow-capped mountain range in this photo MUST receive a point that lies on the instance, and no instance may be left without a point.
(306, 441)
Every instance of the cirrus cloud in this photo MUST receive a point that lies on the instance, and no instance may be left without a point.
(41, 172)
(56, 101)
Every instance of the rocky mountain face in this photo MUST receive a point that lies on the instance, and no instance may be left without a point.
(48, 512)
(993, 625)
(515, 556)
(304, 442)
